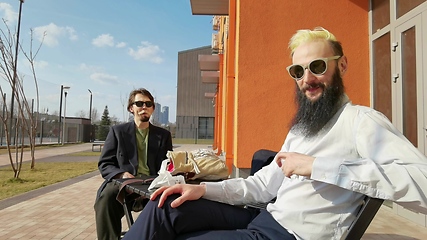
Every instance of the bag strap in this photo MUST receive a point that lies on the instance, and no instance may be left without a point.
(121, 195)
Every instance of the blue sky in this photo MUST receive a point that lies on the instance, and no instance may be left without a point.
(107, 46)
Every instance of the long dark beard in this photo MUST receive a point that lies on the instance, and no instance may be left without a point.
(311, 117)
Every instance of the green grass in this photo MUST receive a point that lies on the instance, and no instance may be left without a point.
(44, 174)
(85, 153)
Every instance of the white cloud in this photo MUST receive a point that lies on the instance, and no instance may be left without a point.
(90, 68)
(51, 34)
(40, 64)
(104, 40)
(9, 15)
(98, 74)
(104, 78)
(121, 45)
(71, 33)
(146, 51)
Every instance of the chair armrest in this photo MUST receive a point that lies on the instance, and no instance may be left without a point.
(369, 208)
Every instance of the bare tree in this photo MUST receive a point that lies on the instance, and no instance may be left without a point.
(123, 101)
(81, 114)
(25, 123)
(95, 114)
(114, 120)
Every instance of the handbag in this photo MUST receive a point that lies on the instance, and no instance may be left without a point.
(201, 164)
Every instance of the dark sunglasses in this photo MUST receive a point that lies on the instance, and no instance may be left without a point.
(316, 67)
(141, 103)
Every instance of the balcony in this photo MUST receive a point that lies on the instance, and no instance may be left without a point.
(210, 95)
(210, 77)
(216, 23)
(209, 62)
(209, 7)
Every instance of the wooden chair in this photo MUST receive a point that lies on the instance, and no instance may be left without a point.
(366, 214)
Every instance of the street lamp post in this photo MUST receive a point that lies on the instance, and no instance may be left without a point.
(65, 89)
(41, 130)
(90, 107)
(15, 66)
(60, 115)
(90, 115)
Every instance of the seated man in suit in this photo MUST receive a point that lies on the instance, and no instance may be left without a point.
(131, 149)
(334, 155)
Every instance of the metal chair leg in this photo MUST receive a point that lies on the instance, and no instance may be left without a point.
(128, 212)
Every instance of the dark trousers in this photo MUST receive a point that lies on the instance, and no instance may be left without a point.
(108, 213)
(204, 219)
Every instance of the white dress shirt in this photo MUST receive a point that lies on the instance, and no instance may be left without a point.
(358, 153)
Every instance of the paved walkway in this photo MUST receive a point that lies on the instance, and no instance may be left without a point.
(65, 210)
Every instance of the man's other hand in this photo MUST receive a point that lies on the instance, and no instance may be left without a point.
(187, 191)
(295, 163)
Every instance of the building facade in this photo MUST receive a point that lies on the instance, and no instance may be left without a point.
(384, 41)
(157, 114)
(195, 108)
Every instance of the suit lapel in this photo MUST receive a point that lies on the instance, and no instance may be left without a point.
(129, 139)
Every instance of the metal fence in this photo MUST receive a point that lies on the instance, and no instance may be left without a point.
(50, 131)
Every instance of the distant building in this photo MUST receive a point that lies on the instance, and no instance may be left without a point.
(164, 119)
(195, 112)
(157, 114)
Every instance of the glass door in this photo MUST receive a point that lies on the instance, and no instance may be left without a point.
(409, 85)
(409, 103)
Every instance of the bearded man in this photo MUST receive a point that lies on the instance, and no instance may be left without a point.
(131, 149)
(334, 155)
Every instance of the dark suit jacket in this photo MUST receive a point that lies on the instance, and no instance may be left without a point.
(120, 153)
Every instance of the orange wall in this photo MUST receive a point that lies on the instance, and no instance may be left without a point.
(264, 91)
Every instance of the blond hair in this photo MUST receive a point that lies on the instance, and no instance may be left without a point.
(318, 33)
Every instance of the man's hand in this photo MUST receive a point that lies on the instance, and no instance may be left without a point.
(187, 191)
(295, 163)
(124, 175)
(127, 175)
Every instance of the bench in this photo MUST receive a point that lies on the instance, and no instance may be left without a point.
(97, 145)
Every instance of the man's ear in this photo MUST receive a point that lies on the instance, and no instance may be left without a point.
(343, 65)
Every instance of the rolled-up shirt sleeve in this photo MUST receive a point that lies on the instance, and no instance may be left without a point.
(388, 165)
